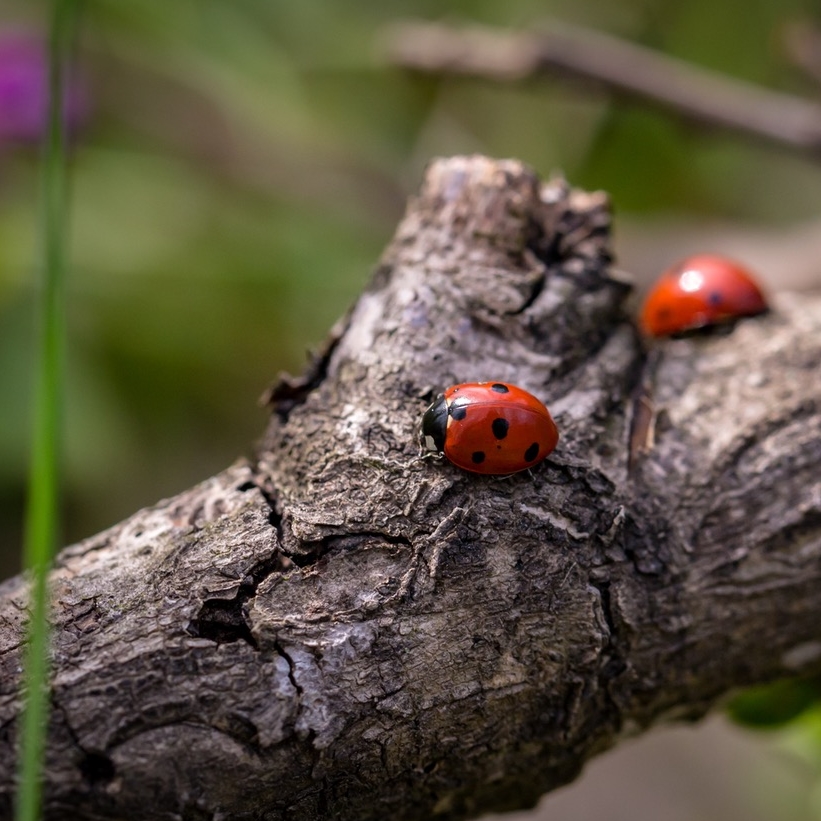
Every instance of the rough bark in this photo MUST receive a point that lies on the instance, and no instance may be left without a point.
(340, 629)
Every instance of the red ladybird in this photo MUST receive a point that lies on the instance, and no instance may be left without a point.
(488, 427)
(698, 291)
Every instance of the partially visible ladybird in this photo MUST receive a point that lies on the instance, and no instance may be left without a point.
(701, 290)
(488, 427)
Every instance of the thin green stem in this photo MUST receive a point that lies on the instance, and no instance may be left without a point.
(42, 512)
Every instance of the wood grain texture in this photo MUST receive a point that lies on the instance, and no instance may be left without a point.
(340, 629)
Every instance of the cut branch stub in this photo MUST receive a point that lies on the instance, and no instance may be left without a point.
(342, 629)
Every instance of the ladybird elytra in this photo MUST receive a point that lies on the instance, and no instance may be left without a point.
(698, 292)
(488, 427)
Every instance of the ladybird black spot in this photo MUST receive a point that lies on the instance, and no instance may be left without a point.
(532, 452)
(498, 387)
(663, 313)
(500, 427)
(715, 298)
(458, 411)
(477, 457)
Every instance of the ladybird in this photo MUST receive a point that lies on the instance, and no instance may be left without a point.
(699, 291)
(488, 427)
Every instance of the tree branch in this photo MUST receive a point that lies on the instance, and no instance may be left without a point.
(339, 629)
(695, 94)
(802, 45)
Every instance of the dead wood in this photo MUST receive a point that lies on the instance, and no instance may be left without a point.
(340, 630)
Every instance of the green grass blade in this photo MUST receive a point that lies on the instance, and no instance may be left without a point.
(42, 517)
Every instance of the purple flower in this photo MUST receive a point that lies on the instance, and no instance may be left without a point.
(24, 80)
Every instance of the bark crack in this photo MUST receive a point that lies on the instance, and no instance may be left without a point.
(96, 766)
(280, 649)
(224, 620)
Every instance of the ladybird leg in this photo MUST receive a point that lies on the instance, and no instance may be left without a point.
(429, 454)
(528, 471)
(422, 457)
(504, 476)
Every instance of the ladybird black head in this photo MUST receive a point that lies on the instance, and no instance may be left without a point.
(434, 425)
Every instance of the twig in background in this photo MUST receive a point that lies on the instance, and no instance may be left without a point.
(696, 94)
(802, 46)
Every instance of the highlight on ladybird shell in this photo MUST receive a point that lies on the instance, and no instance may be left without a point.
(699, 292)
(488, 427)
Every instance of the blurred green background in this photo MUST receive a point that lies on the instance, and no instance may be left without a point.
(244, 163)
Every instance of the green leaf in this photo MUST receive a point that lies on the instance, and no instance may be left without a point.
(773, 705)
(41, 524)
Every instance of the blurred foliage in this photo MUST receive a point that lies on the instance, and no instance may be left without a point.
(243, 167)
(773, 705)
(791, 711)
